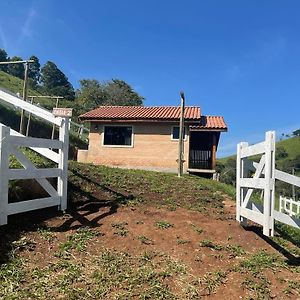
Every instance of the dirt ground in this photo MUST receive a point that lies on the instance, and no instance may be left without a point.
(181, 241)
(138, 235)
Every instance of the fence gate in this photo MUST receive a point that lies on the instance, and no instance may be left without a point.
(261, 176)
(10, 143)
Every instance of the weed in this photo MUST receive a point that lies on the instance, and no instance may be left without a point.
(170, 203)
(11, 278)
(120, 228)
(163, 224)
(260, 286)
(147, 256)
(292, 288)
(46, 234)
(210, 244)
(212, 281)
(182, 242)
(144, 240)
(197, 229)
(77, 241)
(261, 260)
(24, 243)
(235, 250)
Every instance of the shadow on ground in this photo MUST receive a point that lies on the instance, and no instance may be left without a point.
(291, 259)
(81, 204)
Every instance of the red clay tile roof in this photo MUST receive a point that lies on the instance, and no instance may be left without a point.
(210, 122)
(171, 113)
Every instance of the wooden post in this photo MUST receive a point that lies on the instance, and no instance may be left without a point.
(268, 221)
(181, 136)
(25, 87)
(214, 147)
(4, 165)
(62, 184)
(53, 127)
(29, 119)
(240, 173)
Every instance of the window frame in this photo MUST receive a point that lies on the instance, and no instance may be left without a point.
(118, 146)
(185, 133)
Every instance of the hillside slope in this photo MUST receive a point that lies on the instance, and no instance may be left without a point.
(286, 151)
(11, 116)
(290, 145)
(132, 234)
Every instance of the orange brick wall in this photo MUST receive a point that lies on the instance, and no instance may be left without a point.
(152, 148)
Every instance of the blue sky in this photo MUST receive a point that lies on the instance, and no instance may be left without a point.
(236, 58)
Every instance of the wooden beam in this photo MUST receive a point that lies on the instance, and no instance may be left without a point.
(181, 136)
(214, 152)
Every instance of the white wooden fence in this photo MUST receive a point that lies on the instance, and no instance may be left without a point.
(263, 179)
(289, 206)
(11, 141)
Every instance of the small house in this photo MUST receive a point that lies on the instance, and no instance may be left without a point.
(147, 138)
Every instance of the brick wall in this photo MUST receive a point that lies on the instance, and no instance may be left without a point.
(152, 148)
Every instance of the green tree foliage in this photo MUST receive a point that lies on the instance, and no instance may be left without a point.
(3, 57)
(121, 93)
(93, 93)
(34, 70)
(55, 82)
(16, 70)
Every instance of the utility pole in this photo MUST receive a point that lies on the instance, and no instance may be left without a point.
(56, 105)
(29, 118)
(25, 87)
(293, 187)
(181, 136)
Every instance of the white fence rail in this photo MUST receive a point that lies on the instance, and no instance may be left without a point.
(289, 206)
(10, 143)
(263, 179)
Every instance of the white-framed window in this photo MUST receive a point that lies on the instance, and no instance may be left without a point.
(118, 136)
(175, 133)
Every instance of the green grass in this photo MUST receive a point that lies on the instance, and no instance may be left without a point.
(291, 146)
(120, 228)
(15, 85)
(73, 271)
(163, 224)
(137, 186)
(77, 241)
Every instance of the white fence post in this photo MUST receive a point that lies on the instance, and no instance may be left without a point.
(62, 184)
(4, 165)
(240, 173)
(269, 193)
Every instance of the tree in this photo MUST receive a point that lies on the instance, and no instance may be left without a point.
(34, 70)
(296, 132)
(16, 70)
(55, 82)
(93, 93)
(121, 93)
(3, 57)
